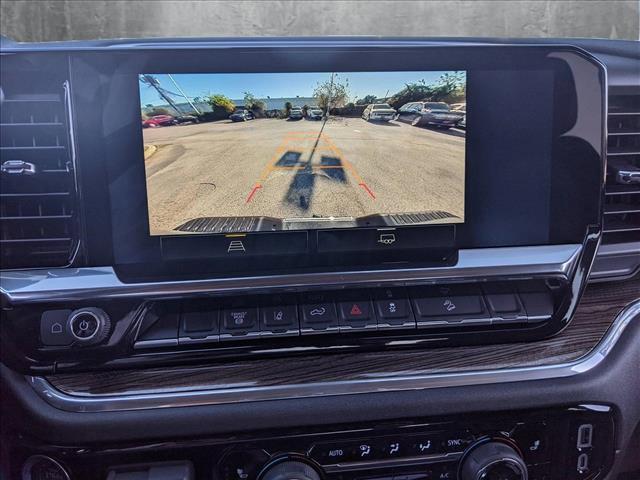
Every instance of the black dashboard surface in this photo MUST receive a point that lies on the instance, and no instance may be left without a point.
(115, 266)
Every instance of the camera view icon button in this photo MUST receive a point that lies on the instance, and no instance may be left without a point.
(387, 238)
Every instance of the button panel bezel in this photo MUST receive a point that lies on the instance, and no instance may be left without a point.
(371, 302)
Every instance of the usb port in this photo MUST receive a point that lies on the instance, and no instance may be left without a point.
(585, 435)
(583, 463)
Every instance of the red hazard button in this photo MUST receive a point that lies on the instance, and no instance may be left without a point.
(355, 310)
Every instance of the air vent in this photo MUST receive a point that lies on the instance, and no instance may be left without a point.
(37, 209)
(622, 202)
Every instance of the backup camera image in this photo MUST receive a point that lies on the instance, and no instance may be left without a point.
(285, 151)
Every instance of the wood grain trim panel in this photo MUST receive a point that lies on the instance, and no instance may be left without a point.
(596, 312)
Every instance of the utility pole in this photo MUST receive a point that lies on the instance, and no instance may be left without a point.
(329, 95)
(153, 82)
(184, 94)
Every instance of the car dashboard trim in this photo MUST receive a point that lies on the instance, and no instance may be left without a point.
(107, 403)
(97, 283)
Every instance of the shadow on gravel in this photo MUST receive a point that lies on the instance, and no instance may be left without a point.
(451, 132)
(303, 184)
(384, 124)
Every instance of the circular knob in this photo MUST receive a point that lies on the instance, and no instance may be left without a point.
(290, 470)
(493, 461)
(41, 467)
(89, 325)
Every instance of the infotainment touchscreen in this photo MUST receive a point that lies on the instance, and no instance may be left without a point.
(302, 151)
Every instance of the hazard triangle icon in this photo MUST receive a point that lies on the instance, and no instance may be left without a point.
(355, 310)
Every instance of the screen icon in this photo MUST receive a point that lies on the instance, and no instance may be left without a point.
(365, 450)
(56, 328)
(387, 238)
(236, 246)
(425, 446)
(239, 318)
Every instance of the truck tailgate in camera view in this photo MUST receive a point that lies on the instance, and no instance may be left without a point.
(249, 152)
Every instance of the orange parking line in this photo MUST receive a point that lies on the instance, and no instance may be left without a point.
(313, 167)
(267, 169)
(346, 162)
(292, 137)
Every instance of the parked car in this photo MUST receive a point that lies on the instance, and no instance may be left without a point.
(314, 113)
(460, 108)
(159, 121)
(296, 113)
(241, 115)
(187, 119)
(429, 113)
(379, 112)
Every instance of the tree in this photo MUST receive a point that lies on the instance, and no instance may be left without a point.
(221, 106)
(197, 99)
(366, 100)
(332, 93)
(449, 87)
(252, 103)
(287, 108)
(157, 111)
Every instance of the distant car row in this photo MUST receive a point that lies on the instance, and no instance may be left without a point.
(312, 113)
(438, 114)
(295, 113)
(168, 120)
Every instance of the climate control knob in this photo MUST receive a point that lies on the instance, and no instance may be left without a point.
(290, 469)
(493, 461)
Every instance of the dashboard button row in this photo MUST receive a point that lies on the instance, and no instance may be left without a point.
(206, 321)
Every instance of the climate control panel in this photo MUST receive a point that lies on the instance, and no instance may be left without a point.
(569, 443)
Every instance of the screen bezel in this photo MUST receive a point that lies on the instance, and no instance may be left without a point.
(133, 247)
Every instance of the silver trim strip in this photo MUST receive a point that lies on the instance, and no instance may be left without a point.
(103, 403)
(71, 285)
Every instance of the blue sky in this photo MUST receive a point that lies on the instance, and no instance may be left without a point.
(276, 85)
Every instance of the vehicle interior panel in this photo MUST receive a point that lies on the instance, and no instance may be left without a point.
(320, 259)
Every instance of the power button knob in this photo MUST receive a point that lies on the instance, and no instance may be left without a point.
(89, 325)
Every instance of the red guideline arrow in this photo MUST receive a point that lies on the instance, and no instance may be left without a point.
(253, 192)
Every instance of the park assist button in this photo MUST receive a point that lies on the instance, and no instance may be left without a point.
(199, 322)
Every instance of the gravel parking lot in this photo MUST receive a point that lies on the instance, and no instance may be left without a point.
(281, 168)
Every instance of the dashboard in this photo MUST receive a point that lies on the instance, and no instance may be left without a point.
(320, 259)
